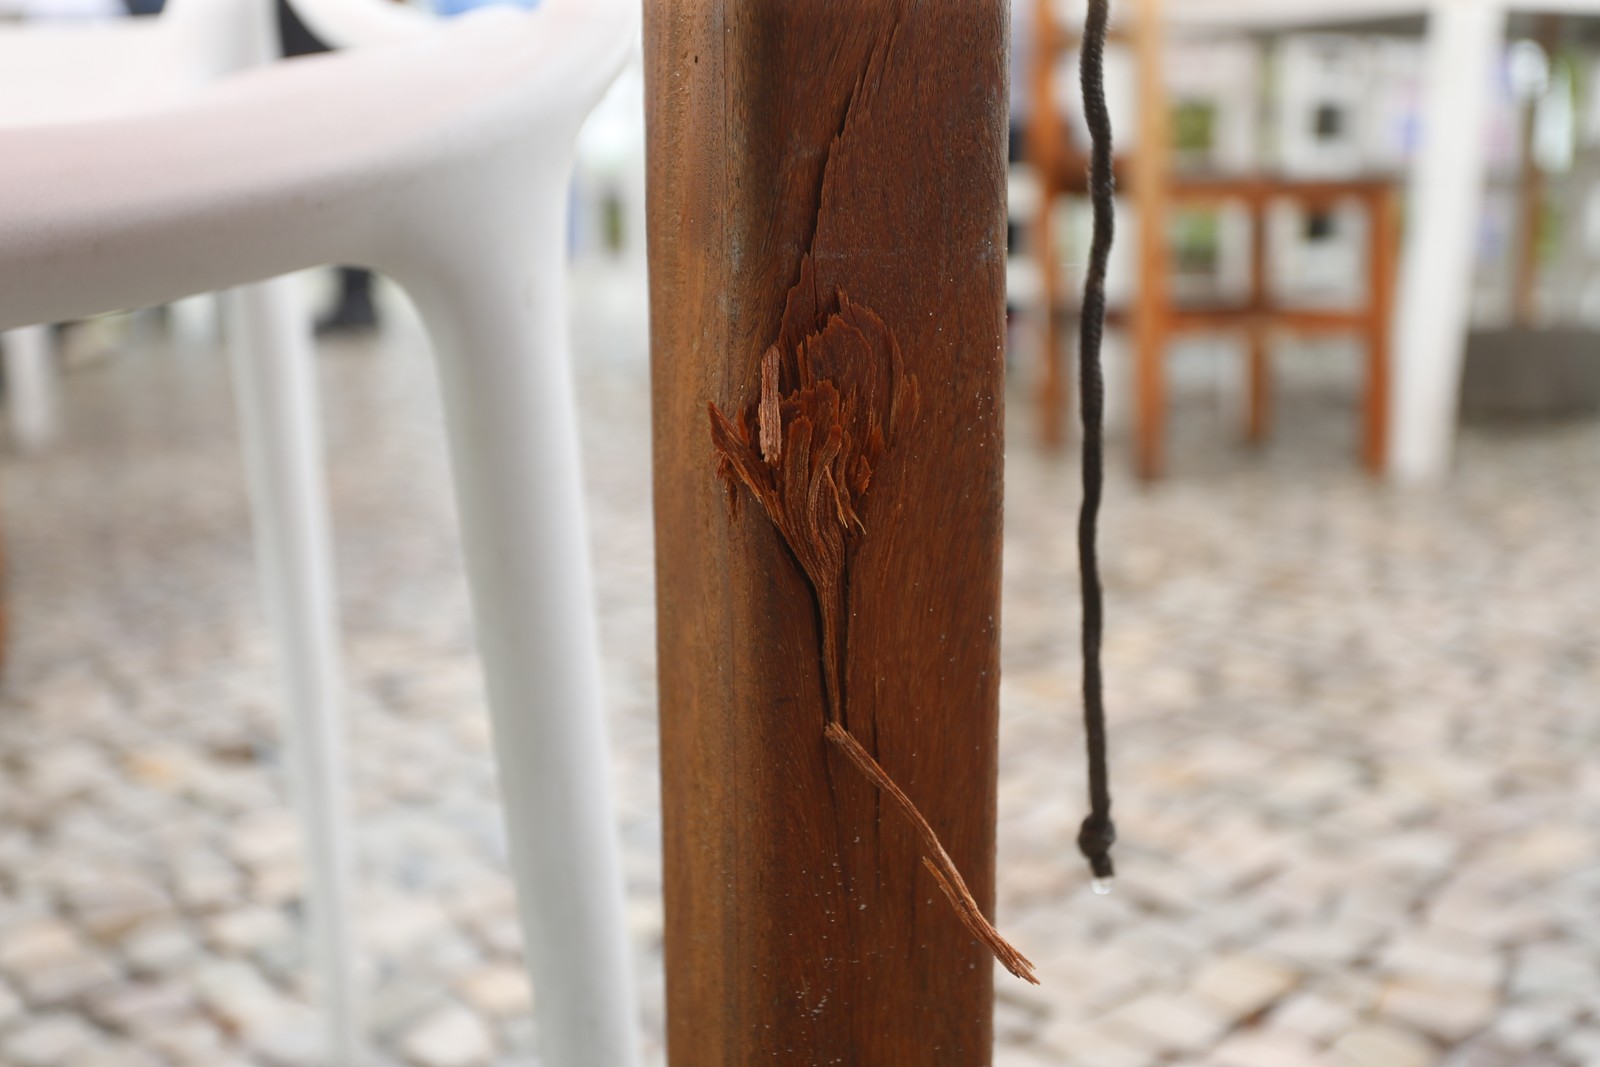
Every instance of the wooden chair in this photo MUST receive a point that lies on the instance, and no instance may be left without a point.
(1155, 317)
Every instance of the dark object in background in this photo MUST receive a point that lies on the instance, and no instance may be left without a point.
(1522, 373)
(295, 38)
(355, 312)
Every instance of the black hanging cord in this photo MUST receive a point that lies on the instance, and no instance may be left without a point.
(1098, 834)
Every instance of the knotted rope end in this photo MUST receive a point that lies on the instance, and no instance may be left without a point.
(1095, 839)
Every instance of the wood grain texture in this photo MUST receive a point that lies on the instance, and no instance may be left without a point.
(802, 926)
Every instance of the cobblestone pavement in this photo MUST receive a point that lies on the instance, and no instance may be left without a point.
(1355, 740)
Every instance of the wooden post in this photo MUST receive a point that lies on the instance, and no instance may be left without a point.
(808, 159)
(1150, 197)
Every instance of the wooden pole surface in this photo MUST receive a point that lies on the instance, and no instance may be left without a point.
(826, 208)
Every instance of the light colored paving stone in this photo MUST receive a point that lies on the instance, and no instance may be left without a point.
(11, 1008)
(1087, 979)
(298, 1039)
(63, 982)
(1445, 957)
(1484, 916)
(1015, 1022)
(39, 944)
(1164, 946)
(1313, 1015)
(1329, 755)
(239, 997)
(165, 766)
(1583, 1046)
(1320, 946)
(265, 839)
(400, 924)
(207, 884)
(1168, 1023)
(116, 1054)
(401, 999)
(191, 1043)
(1450, 1013)
(1265, 1048)
(1376, 1045)
(451, 1037)
(50, 1040)
(1528, 1025)
(1553, 970)
(277, 884)
(1546, 850)
(248, 930)
(1014, 1056)
(498, 991)
(141, 1007)
(160, 946)
(1241, 986)
(1486, 1052)
(1091, 1045)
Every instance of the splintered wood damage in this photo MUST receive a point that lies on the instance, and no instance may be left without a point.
(834, 394)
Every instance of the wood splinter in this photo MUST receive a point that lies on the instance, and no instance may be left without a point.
(833, 391)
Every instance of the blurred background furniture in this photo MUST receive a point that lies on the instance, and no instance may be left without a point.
(1534, 348)
(52, 72)
(1161, 194)
(1436, 91)
(444, 161)
(59, 75)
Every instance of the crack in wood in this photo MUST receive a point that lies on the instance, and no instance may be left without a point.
(834, 393)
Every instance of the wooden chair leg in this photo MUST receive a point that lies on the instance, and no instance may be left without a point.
(1045, 136)
(1052, 391)
(1150, 395)
(1151, 197)
(1258, 388)
(1384, 251)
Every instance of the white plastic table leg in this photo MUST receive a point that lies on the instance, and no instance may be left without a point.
(31, 402)
(273, 373)
(1445, 199)
(496, 310)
